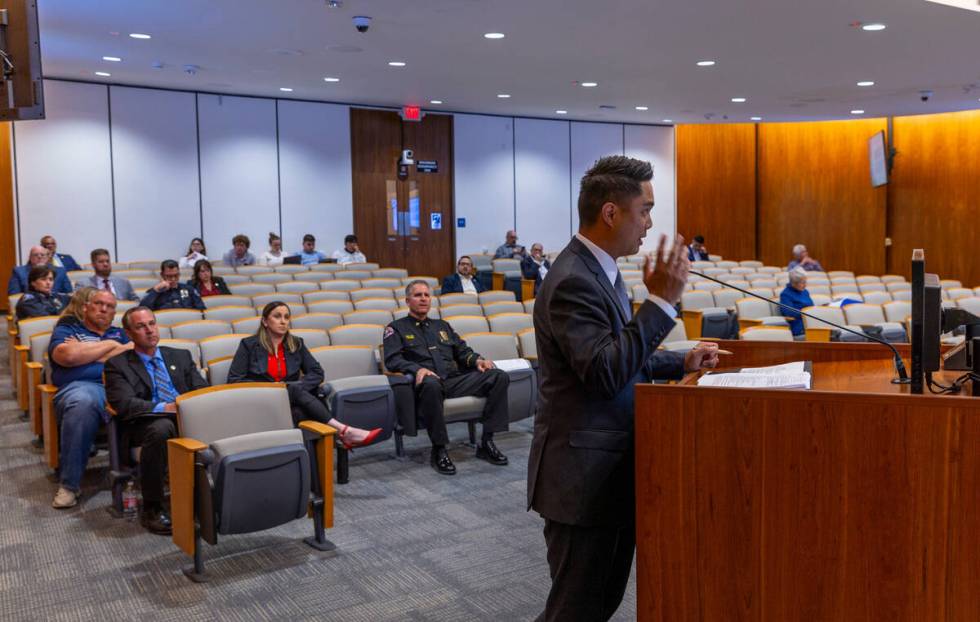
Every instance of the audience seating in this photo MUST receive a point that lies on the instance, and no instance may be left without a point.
(970, 303)
(322, 321)
(312, 337)
(247, 326)
(298, 287)
(357, 275)
(331, 306)
(391, 273)
(228, 300)
(196, 330)
(311, 297)
(357, 335)
(766, 333)
(383, 283)
(496, 296)
(522, 394)
(528, 344)
(259, 301)
(494, 308)
(370, 292)
(820, 331)
(291, 269)
(869, 315)
(510, 322)
(326, 267)
(452, 299)
(465, 324)
(877, 297)
(220, 345)
(231, 313)
(218, 369)
(367, 266)
(369, 304)
(252, 289)
(378, 316)
(235, 279)
(451, 310)
(344, 285)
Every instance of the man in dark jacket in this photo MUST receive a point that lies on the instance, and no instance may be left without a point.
(464, 280)
(20, 277)
(59, 260)
(535, 266)
(170, 293)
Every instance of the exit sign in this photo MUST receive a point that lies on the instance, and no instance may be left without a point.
(411, 113)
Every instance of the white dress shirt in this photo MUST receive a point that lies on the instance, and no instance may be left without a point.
(343, 257)
(468, 286)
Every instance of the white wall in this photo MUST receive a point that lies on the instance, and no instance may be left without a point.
(541, 158)
(591, 141)
(656, 144)
(483, 154)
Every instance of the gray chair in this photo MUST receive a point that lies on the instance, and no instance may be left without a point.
(323, 321)
(230, 314)
(311, 297)
(231, 300)
(312, 337)
(169, 317)
(196, 330)
(522, 394)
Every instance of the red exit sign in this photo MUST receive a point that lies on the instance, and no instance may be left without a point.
(411, 113)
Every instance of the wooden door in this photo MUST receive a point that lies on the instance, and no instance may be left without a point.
(393, 218)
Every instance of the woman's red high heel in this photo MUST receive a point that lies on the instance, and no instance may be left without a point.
(373, 434)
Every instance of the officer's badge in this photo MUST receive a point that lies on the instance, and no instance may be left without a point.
(389, 331)
(184, 293)
(444, 335)
(410, 337)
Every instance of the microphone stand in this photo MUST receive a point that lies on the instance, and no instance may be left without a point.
(903, 376)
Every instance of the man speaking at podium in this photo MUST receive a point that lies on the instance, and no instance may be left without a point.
(592, 349)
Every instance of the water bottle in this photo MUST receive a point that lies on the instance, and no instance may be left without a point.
(130, 502)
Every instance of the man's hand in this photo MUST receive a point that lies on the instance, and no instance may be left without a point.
(483, 364)
(702, 356)
(666, 277)
(162, 286)
(170, 407)
(422, 373)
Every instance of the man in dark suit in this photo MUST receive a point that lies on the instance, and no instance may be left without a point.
(592, 349)
(464, 280)
(59, 260)
(39, 256)
(535, 266)
(142, 386)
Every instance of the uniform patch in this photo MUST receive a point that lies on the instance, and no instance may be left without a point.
(389, 331)
(444, 335)
(409, 336)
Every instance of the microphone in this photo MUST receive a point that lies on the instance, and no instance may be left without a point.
(903, 376)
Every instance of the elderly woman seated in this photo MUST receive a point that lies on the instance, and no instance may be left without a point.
(802, 259)
(796, 296)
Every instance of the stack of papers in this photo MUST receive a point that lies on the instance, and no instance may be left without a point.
(786, 376)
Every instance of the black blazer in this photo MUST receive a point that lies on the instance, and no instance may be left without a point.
(580, 468)
(452, 284)
(529, 270)
(219, 284)
(129, 388)
(251, 364)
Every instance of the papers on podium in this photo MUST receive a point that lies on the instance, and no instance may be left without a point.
(786, 376)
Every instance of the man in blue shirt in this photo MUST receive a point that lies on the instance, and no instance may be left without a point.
(510, 249)
(796, 296)
(309, 254)
(39, 256)
(79, 347)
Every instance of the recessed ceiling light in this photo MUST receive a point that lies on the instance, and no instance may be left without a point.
(738, 100)
(396, 63)
(866, 83)
(589, 85)
(561, 112)
(706, 63)
(668, 121)
(104, 74)
(642, 108)
(139, 35)
(873, 27)
(494, 35)
(755, 118)
(435, 101)
(112, 59)
(329, 79)
(503, 95)
(285, 89)
(857, 112)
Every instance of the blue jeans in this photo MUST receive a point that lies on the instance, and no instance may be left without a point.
(81, 410)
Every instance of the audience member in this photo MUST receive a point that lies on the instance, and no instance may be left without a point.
(802, 259)
(351, 253)
(535, 266)
(142, 386)
(170, 293)
(82, 340)
(795, 295)
(309, 255)
(510, 249)
(443, 366)
(239, 255)
(56, 259)
(274, 256)
(195, 253)
(39, 299)
(121, 288)
(696, 251)
(19, 278)
(206, 282)
(273, 354)
(463, 281)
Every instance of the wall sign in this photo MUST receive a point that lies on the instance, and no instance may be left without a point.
(435, 221)
(427, 166)
(461, 223)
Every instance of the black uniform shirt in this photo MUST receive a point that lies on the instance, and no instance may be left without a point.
(36, 304)
(411, 344)
(181, 297)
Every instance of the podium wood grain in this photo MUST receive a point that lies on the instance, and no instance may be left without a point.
(853, 501)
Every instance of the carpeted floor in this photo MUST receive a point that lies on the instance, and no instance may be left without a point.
(411, 545)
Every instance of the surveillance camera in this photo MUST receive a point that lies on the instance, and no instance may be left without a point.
(362, 23)
(925, 95)
(408, 157)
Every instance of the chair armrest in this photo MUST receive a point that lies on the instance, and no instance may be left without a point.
(746, 322)
(527, 289)
(180, 461)
(692, 323)
(49, 424)
(33, 372)
(498, 280)
(818, 334)
(323, 447)
(21, 355)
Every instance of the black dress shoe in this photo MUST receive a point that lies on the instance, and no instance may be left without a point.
(157, 521)
(440, 461)
(489, 452)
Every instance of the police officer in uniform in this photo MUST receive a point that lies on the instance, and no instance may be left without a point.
(40, 298)
(445, 367)
(170, 293)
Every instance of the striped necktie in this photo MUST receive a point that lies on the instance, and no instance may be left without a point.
(161, 379)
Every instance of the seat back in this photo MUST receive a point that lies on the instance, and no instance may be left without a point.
(726, 297)
(899, 310)
(506, 265)
(291, 269)
(497, 295)
(831, 314)
(453, 299)
(250, 270)
(343, 284)
(451, 310)
(375, 304)
(218, 370)
(220, 345)
(892, 278)
(322, 321)
(371, 292)
(357, 275)
(877, 298)
(767, 333)
(319, 296)
(345, 361)
(246, 325)
(317, 277)
(326, 267)
(494, 308)
(331, 306)
(391, 273)
(970, 304)
(363, 265)
(261, 300)
(230, 314)
(511, 323)
(252, 289)
(29, 327)
(195, 330)
(298, 287)
(529, 306)
(169, 317)
(494, 346)
(381, 282)
(697, 299)
(750, 263)
(528, 343)
(464, 324)
(379, 317)
(230, 300)
(753, 308)
(216, 413)
(271, 277)
(312, 337)
(235, 279)
(357, 335)
(190, 346)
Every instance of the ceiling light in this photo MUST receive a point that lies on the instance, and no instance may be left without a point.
(285, 89)
(866, 83)
(104, 74)
(873, 27)
(329, 79)
(138, 35)
(642, 108)
(396, 63)
(561, 112)
(494, 35)
(435, 101)
(738, 100)
(755, 118)
(668, 121)
(706, 63)
(857, 112)
(503, 95)
(112, 59)
(589, 85)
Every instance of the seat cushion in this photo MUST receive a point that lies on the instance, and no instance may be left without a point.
(251, 442)
(463, 408)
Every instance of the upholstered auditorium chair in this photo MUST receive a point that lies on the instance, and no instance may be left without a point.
(494, 308)
(371, 292)
(871, 319)
(311, 297)
(357, 335)
(754, 312)
(766, 333)
(252, 289)
(195, 330)
(230, 313)
(220, 345)
(821, 331)
(375, 304)
(312, 337)
(497, 295)
(390, 273)
(259, 301)
(511, 323)
(330, 306)
(522, 393)
(227, 300)
(377, 316)
(464, 324)
(384, 283)
(298, 287)
(322, 321)
(340, 285)
(450, 310)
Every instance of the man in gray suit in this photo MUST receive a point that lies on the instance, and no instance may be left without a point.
(592, 350)
(103, 279)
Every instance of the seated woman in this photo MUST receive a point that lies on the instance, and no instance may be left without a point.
(39, 300)
(195, 253)
(206, 282)
(796, 296)
(272, 354)
(274, 256)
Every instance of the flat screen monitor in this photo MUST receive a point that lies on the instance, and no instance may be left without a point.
(932, 323)
(879, 161)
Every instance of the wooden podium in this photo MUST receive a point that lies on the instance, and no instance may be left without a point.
(852, 501)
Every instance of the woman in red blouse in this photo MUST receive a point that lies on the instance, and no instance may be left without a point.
(205, 281)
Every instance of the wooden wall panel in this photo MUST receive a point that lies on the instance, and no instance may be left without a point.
(815, 189)
(8, 243)
(934, 194)
(716, 185)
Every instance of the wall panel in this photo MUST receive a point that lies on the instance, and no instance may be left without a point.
(589, 142)
(656, 145)
(154, 147)
(541, 162)
(239, 170)
(484, 160)
(716, 185)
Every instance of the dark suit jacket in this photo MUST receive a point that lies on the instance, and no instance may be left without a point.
(129, 388)
(251, 364)
(580, 469)
(452, 284)
(69, 262)
(18, 283)
(530, 270)
(219, 284)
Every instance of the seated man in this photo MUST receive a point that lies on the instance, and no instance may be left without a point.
(351, 253)
(143, 385)
(802, 259)
(795, 295)
(444, 367)
(463, 281)
(59, 260)
(239, 255)
(80, 343)
(170, 293)
(309, 254)
(510, 249)
(121, 288)
(535, 266)
(19, 279)
(696, 251)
